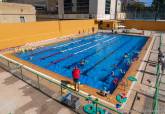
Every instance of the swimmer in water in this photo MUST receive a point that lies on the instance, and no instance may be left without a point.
(31, 58)
(113, 73)
(122, 71)
(128, 62)
(83, 62)
(126, 55)
(115, 65)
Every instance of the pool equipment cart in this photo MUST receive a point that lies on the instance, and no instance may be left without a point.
(71, 101)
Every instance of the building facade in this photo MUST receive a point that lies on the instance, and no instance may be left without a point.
(99, 9)
(40, 5)
(17, 13)
(76, 9)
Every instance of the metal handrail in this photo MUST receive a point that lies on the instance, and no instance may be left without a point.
(156, 95)
(157, 85)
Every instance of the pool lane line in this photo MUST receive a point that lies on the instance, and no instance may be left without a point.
(52, 48)
(68, 56)
(85, 44)
(88, 56)
(54, 54)
(105, 77)
(94, 46)
(62, 51)
(111, 53)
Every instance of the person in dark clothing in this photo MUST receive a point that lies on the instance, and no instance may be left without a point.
(112, 31)
(162, 64)
(160, 55)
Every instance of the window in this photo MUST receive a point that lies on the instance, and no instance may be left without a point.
(107, 6)
(83, 6)
(22, 19)
(78, 7)
(68, 6)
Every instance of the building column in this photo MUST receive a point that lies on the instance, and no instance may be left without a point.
(93, 7)
(61, 9)
(74, 8)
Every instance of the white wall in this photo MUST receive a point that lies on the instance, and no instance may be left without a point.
(101, 10)
(113, 8)
(119, 4)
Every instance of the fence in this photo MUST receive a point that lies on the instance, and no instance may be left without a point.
(53, 88)
(157, 85)
(145, 15)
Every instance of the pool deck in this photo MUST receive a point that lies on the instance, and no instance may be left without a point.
(141, 89)
(17, 97)
(141, 97)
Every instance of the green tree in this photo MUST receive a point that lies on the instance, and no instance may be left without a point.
(158, 4)
(159, 8)
(136, 6)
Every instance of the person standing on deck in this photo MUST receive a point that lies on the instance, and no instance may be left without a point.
(160, 55)
(76, 76)
(93, 30)
(162, 64)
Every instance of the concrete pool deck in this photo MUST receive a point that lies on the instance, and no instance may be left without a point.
(18, 97)
(141, 98)
(142, 89)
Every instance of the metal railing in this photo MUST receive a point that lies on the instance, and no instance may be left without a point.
(157, 85)
(50, 86)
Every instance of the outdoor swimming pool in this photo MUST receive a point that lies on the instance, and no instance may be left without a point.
(105, 57)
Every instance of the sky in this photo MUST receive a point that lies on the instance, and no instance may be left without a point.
(148, 2)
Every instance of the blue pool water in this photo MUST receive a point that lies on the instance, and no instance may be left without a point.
(103, 55)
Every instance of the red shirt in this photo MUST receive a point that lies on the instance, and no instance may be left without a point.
(76, 73)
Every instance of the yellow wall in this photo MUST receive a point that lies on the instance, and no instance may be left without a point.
(109, 24)
(12, 35)
(145, 25)
(75, 26)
